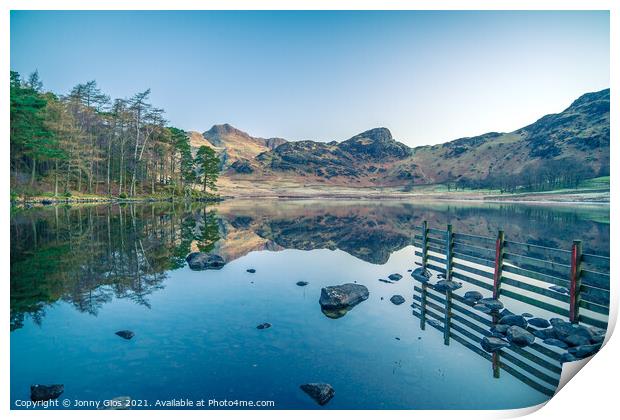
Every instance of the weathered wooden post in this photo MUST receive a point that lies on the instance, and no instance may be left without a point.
(423, 307)
(575, 281)
(499, 260)
(449, 246)
(447, 316)
(424, 244)
(496, 364)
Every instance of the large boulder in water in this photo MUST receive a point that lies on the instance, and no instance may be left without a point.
(204, 261)
(321, 393)
(343, 296)
(397, 299)
(443, 286)
(45, 392)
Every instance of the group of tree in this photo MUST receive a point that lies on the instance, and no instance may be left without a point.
(85, 142)
(537, 176)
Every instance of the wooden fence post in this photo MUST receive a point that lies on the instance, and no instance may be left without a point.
(423, 307)
(449, 245)
(424, 244)
(499, 260)
(575, 281)
(446, 319)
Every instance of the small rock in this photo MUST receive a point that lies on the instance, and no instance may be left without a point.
(539, 322)
(555, 342)
(263, 326)
(492, 344)
(46, 392)
(251, 270)
(422, 275)
(126, 334)
(519, 336)
(302, 283)
(395, 277)
(397, 338)
(386, 281)
(397, 299)
(47, 202)
(527, 315)
(445, 285)
(517, 320)
(559, 289)
(473, 296)
(409, 271)
(321, 393)
(204, 261)
(493, 304)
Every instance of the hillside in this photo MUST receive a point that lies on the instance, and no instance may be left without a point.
(575, 139)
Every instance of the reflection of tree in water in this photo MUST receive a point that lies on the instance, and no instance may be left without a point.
(208, 231)
(90, 255)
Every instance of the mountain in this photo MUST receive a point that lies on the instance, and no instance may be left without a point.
(235, 147)
(576, 138)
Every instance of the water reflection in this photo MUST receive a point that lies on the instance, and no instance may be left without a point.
(88, 256)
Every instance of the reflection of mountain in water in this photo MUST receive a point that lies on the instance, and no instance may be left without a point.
(88, 256)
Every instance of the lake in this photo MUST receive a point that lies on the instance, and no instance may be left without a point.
(81, 273)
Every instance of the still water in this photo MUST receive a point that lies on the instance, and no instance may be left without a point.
(79, 274)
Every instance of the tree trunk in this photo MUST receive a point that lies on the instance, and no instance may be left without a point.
(34, 171)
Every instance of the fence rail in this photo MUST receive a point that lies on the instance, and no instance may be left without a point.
(568, 283)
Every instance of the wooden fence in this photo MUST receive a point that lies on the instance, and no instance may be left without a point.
(525, 272)
(537, 366)
(519, 271)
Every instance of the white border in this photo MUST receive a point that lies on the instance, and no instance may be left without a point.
(592, 394)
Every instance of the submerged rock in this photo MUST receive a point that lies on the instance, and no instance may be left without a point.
(46, 392)
(395, 277)
(421, 274)
(343, 296)
(386, 281)
(204, 261)
(492, 344)
(126, 334)
(321, 393)
(520, 336)
(263, 326)
(517, 320)
(445, 285)
(539, 322)
(251, 270)
(397, 299)
(302, 283)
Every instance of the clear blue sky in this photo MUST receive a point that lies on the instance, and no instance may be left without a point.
(428, 76)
